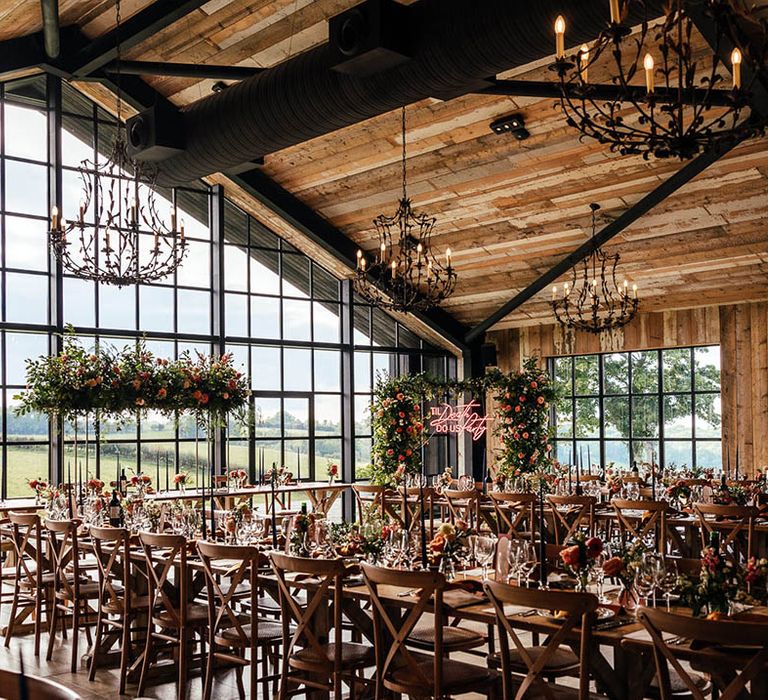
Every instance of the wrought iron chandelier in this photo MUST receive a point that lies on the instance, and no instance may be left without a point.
(594, 301)
(686, 105)
(405, 275)
(118, 236)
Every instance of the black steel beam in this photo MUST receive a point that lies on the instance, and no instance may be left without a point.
(182, 70)
(321, 232)
(50, 12)
(103, 50)
(667, 188)
(544, 89)
(26, 52)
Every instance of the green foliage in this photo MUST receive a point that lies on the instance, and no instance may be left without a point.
(522, 420)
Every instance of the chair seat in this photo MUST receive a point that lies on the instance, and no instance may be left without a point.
(137, 603)
(353, 655)
(454, 638)
(197, 616)
(458, 677)
(676, 684)
(268, 633)
(562, 661)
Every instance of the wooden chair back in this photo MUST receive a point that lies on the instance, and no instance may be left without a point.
(162, 554)
(370, 499)
(113, 560)
(391, 633)
(27, 547)
(735, 523)
(224, 590)
(709, 632)
(65, 556)
(580, 610)
(514, 513)
(463, 505)
(652, 524)
(328, 574)
(15, 686)
(572, 514)
(415, 504)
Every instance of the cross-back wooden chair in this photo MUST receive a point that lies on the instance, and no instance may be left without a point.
(320, 663)
(231, 577)
(572, 514)
(463, 505)
(173, 618)
(652, 523)
(735, 524)
(120, 603)
(32, 579)
(401, 670)
(712, 639)
(415, 505)
(72, 589)
(525, 670)
(16, 687)
(514, 514)
(372, 499)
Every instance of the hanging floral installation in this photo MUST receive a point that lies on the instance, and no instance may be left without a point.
(114, 383)
(400, 420)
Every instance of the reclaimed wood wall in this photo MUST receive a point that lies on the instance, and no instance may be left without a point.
(741, 330)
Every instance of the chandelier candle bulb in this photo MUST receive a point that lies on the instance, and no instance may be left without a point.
(394, 269)
(634, 290)
(54, 217)
(615, 12)
(359, 259)
(383, 252)
(362, 264)
(554, 293)
(736, 62)
(560, 36)
(649, 66)
(182, 230)
(448, 257)
(82, 211)
(583, 62)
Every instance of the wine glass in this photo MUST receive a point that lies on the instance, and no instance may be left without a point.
(668, 581)
(646, 577)
(526, 561)
(597, 575)
(485, 548)
(513, 557)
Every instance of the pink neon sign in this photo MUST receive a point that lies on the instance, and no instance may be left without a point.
(458, 419)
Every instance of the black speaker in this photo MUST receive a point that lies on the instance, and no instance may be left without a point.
(488, 354)
(155, 134)
(369, 38)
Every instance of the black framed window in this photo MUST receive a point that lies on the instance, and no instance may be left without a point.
(625, 407)
(240, 289)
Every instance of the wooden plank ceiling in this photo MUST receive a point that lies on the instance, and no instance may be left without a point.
(509, 210)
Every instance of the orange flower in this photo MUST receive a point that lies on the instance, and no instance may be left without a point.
(162, 393)
(570, 556)
(613, 566)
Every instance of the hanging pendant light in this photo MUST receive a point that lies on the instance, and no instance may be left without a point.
(667, 100)
(405, 274)
(118, 236)
(593, 301)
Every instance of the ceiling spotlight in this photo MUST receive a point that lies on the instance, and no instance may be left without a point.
(513, 124)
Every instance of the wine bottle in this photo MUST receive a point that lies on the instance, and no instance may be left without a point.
(714, 540)
(115, 510)
(123, 483)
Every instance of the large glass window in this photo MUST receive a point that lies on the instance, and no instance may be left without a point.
(627, 407)
(282, 318)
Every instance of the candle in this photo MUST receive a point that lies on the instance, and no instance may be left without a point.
(359, 258)
(70, 490)
(383, 252)
(634, 290)
(648, 64)
(167, 485)
(448, 257)
(298, 464)
(579, 467)
(737, 462)
(82, 211)
(584, 62)
(589, 461)
(560, 36)
(554, 293)
(362, 264)
(157, 470)
(182, 230)
(615, 12)
(272, 496)
(728, 453)
(173, 219)
(542, 539)
(570, 478)
(54, 217)
(736, 62)
(394, 269)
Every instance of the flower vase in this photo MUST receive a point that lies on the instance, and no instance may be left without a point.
(447, 568)
(182, 487)
(628, 599)
(582, 582)
(38, 498)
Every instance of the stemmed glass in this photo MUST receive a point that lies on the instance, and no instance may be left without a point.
(526, 560)
(597, 575)
(668, 581)
(485, 548)
(646, 576)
